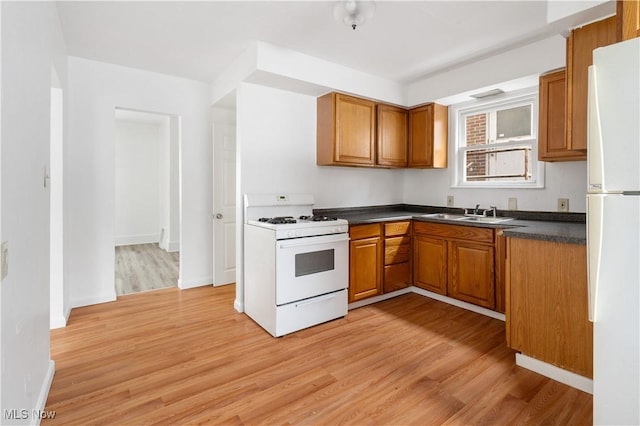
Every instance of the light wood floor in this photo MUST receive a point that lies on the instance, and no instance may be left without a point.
(186, 357)
(144, 267)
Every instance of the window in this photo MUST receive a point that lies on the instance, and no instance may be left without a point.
(496, 142)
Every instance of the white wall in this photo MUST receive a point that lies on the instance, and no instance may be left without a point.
(277, 138)
(170, 184)
(562, 180)
(95, 90)
(139, 173)
(32, 44)
(532, 59)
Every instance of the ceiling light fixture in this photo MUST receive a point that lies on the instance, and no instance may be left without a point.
(353, 12)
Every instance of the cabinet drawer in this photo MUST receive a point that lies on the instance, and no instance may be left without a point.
(364, 231)
(397, 228)
(397, 250)
(458, 232)
(396, 277)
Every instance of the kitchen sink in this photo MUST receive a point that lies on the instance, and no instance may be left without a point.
(486, 219)
(461, 217)
(445, 216)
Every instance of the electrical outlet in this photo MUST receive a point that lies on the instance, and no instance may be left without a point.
(449, 200)
(513, 204)
(563, 204)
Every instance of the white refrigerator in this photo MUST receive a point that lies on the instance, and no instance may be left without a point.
(613, 231)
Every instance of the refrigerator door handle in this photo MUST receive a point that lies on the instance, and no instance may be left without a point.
(594, 136)
(595, 209)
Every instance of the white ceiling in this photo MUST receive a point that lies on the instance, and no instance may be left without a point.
(404, 41)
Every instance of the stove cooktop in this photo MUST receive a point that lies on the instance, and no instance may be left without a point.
(280, 220)
(304, 226)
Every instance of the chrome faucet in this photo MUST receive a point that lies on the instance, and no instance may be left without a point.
(494, 210)
(477, 209)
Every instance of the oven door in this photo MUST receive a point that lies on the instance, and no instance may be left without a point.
(308, 267)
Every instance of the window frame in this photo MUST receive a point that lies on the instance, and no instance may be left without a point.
(457, 116)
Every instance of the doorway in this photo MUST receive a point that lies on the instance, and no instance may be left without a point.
(146, 219)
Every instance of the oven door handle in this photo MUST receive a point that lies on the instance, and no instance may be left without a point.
(312, 241)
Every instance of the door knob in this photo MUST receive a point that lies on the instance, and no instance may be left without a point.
(218, 215)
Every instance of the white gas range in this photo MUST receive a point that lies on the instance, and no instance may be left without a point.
(296, 265)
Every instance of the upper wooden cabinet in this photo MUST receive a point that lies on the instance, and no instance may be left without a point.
(346, 130)
(392, 136)
(552, 141)
(358, 132)
(580, 45)
(628, 19)
(428, 126)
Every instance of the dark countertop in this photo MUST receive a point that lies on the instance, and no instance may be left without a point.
(558, 227)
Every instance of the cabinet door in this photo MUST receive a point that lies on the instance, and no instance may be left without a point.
(392, 136)
(472, 273)
(547, 313)
(365, 268)
(430, 264)
(428, 136)
(628, 19)
(552, 141)
(355, 130)
(580, 45)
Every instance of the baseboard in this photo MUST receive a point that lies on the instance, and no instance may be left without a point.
(43, 395)
(127, 240)
(198, 282)
(59, 321)
(94, 300)
(459, 303)
(173, 246)
(238, 306)
(375, 299)
(556, 373)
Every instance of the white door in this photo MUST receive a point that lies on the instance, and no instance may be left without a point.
(224, 204)
(613, 241)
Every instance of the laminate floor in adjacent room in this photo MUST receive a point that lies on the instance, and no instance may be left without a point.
(187, 357)
(144, 267)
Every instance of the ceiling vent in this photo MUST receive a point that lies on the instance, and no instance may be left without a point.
(486, 94)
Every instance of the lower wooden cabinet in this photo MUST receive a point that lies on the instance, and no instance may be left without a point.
(430, 263)
(365, 262)
(472, 276)
(397, 256)
(462, 262)
(456, 261)
(547, 311)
